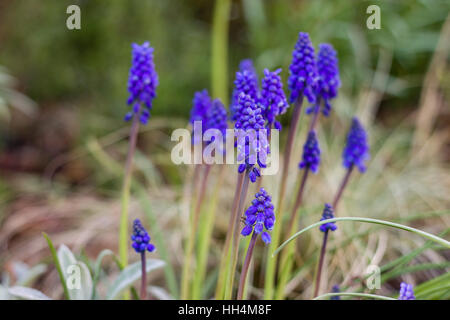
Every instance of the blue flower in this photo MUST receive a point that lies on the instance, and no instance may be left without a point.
(335, 289)
(328, 82)
(311, 153)
(142, 82)
(246, 82)
(406, 292)
(327, 214)
(252, 143)
(140, 238)
(356, 150)
(201, 104)
(216, 118)
(200, 107)
(272, 97)
(260, 216)
(303, 72)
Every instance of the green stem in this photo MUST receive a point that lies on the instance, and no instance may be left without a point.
(421, 233)
(271, 263)
(125, 201)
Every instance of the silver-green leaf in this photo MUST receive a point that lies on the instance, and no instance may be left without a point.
(130, 274)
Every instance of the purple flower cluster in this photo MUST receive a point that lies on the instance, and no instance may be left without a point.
(142, 82)
(252, 144)
(200, 106)
(216, 118)
(311, 153)
(356, 150)
(303, 72)
(327, 214)
(260, 216)
(406, 292)
(329, 81)
(140, 238)
(246, 82)
(272, 97)
(335, 289)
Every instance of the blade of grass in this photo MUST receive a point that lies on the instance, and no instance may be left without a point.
(352, 294)
(424, 234)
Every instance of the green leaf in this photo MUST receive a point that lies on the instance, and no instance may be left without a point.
(27, 293)
(57, 265)
(353, 294)
(81, 287)
(130, 274)
(97, 268)
(424, 234)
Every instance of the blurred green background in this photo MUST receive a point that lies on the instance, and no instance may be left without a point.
(78, 78)
(55, 64)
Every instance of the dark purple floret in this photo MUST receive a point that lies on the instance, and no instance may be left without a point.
(311, 153)
(140, 238)
(327, 214)
(252, 143)
(335, 289)
(329, 81)
(356, 150)
(272, 97)
(260, 216)
(142, 82)
(406, 292)
(303, 72)
(246, 82)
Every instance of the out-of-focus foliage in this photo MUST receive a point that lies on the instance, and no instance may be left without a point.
(54, 63)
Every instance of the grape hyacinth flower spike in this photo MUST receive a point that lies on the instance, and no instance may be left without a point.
(355, 154)
(311, 153)
(303, 70)
(252, 146)
(142, 83)
(327, 214)
(356, 150)
(201, 104)
(246, 82)
(141, 244)
(328, 82)
(406, 292)
(259, 219)
(273, 98)
(335, 289)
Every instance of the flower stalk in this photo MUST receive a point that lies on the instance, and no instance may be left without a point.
(125, 198)
(244, 272)
(143, 295)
